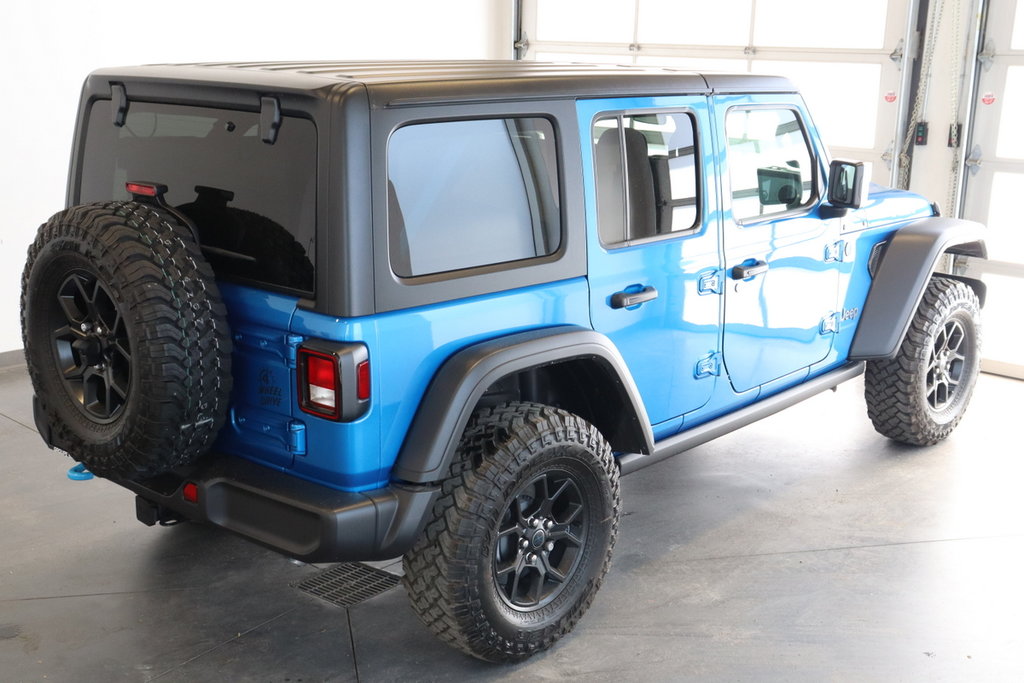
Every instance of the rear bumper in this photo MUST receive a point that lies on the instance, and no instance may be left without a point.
(307, 521)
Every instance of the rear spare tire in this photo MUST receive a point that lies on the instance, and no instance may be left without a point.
(126, 339)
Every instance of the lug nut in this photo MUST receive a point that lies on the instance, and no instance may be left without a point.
(535, 523)
(549, 546)
(85, 327)
(531, 558)
(548, 524)
(524, 544)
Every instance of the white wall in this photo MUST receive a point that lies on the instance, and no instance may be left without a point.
(46, 50)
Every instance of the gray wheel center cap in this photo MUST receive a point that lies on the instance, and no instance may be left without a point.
(538, 538)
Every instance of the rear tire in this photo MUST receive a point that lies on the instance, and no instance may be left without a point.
(126, 339)
(522, 533)
(919, 396)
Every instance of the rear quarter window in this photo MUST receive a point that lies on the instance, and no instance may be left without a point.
(464, 194)
(253, 203)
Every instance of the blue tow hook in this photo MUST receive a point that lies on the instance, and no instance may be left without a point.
(79, 473)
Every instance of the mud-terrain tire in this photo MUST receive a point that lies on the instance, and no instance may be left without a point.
(126, 339)
(521, 535)
(919, 396)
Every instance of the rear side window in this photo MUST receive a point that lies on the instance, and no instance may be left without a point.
(464, 194)
(646, 173)
(254, 203)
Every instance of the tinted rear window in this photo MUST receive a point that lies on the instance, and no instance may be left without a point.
(254, 203)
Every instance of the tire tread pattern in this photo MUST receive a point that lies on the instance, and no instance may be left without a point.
(440, 568)
(894, 388)
(181, 353)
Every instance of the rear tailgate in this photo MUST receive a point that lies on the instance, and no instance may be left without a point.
(261, 425)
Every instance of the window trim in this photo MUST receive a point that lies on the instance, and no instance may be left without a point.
(816, 189)
(484, 268)
(391, 293)
(698, 147)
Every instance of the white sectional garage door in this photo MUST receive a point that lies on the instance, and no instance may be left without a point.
(847, 62)
(995, 184)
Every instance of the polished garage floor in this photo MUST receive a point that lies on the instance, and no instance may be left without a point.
(802, 548)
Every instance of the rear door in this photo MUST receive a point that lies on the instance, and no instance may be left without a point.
(653, 249)
(781, 258)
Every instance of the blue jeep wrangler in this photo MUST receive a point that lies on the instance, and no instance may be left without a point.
(357, 311)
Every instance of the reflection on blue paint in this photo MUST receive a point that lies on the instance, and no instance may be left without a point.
(766, 330)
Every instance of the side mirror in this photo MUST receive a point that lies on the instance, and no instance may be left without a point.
(779, 185)
(848, 183)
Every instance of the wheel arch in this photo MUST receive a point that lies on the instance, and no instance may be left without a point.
(909, 261)
(563, 364)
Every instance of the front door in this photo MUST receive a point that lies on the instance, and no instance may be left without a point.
(781, 260)
(653, 246)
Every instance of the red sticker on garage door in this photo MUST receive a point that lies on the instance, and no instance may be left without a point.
(988, 98)
(890, 96)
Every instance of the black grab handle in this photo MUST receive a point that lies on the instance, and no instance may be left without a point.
(743, 272)
(627, 299)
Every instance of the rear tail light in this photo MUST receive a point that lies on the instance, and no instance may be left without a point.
(322, 383)
(190, 492)
(363, 380)
(334, 379)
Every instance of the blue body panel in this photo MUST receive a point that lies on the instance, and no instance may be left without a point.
(885, 212)
(662, 340)
(758, 337)
(263, 402)
(773, 331)
(772, 324)
(406, 348)
(412, 345)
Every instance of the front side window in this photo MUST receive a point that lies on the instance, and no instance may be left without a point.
(645, 167)
(771, 168)
(254, 204)
(465, 194)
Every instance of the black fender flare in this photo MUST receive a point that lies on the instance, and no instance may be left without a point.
(911, 256)
(462, 380)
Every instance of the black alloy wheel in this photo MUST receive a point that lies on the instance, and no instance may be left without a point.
(91, 346)
(539, 543)
(947, 365)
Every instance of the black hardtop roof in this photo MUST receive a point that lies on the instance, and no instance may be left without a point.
(398, 82)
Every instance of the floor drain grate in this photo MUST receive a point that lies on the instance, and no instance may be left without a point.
(348, 583)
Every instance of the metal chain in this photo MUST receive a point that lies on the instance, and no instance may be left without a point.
(956, 75)
(931, 38)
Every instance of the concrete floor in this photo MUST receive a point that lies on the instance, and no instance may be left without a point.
(803, 548)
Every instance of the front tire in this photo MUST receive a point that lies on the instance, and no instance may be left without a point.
(919, 396)
(522, 534)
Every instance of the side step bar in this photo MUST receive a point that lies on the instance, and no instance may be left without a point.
(631, 462)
